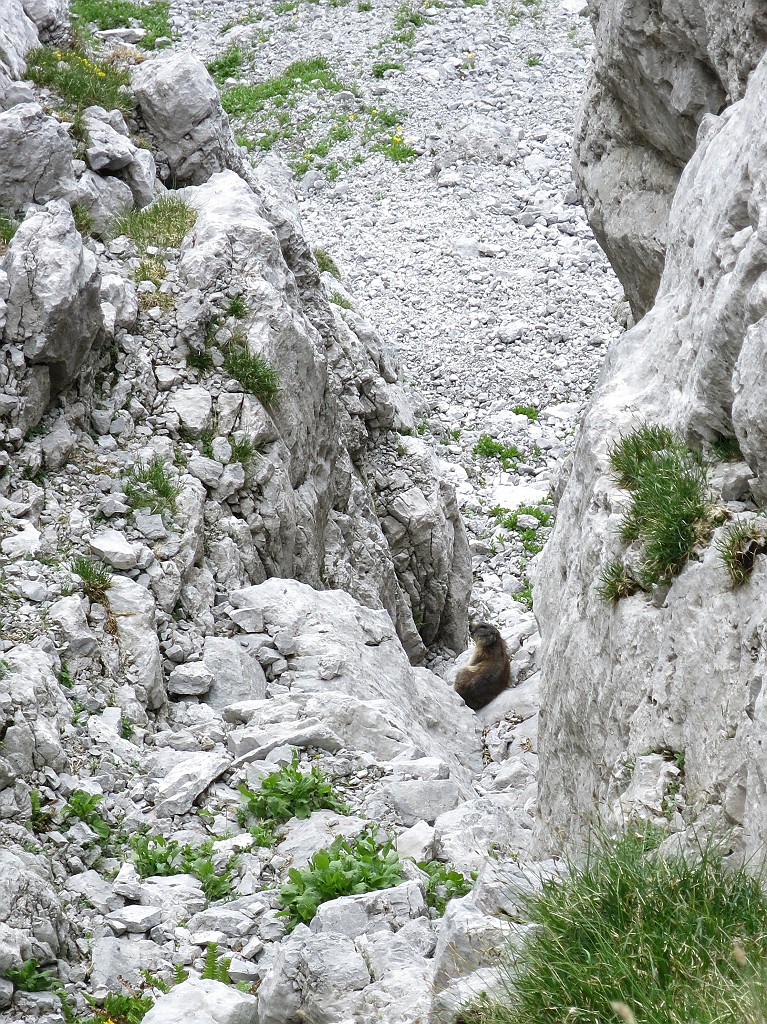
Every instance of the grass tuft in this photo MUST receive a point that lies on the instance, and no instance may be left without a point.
(96, 577)
(382, 66)
(148, 485)
(199, 359)
(162, 224)
(338, 300)
(106, 14)
(507, 454)
(727, 449)
(739, 547)
(253, 372)
(616, 581)
(151, 268)
(661, 940)
(236, 307)
(228, 65)
(326, 264)
(80, 78)
(300, 76)
(669, 510)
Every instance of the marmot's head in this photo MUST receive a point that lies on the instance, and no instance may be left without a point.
(484, 634)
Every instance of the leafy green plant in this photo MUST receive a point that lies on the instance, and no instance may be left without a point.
(121, 1008)
(106, 14)
(395, 148)
(96, 577)
(216, 968)
(40, 820)
(444, 883)
(291, 793)
(254, 373)
(532, 538)
(507, 454)
(738, 548)
(83, 805)
(382, 66)
(29, 977)
(406, 15)
(148, 485)
(64, 676)
(615, 582)
(156, 855)
(127, 727)
(348, 867)
(228, 65)
(533, 61)
(364, 5)
(526, 410)
(79, 77)
(162, 224)
(665, 940)
(326, 263)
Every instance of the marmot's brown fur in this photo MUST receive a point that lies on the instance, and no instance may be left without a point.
(488, 670)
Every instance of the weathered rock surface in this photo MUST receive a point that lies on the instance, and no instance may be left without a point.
(35, 157)
(655, 76)
(679, 675)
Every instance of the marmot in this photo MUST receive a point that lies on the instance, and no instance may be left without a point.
(488, 670)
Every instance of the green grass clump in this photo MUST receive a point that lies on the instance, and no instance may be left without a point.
(96, 577)
(300, 76)
(151, 268)
(364, 5)
(727, 449)
(507, 454)
(162, 224)
(346, 868)
(106, 14)
(338, 300)
(526, 410)
(630, 455)
(291, 793)
(8, 228)
(79, 77)
(739, 547)
(253, 372)
(148, 485)
(228, 65)
(382, 66)
(396, 149)
(326, 264)
(632, 935)
(669, 511)
(236, 307)
(199, 359)
(243, 450)
(532, 539)
(615, 581)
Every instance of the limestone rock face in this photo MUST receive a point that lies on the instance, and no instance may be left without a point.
(681, 673)
(54, 303)
(397, 543)
(17, 36)
(654, 78)
(181, 107)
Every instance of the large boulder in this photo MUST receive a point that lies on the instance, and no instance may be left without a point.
(54, 302)
(677, 673)
(17, 36)
(180, 105)
(653, 79)
(35, 157)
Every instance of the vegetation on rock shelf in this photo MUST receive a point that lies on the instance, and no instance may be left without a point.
(162, 224)
(634, 935)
